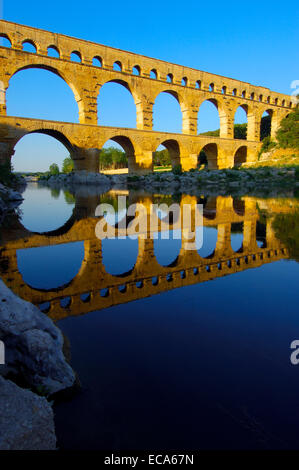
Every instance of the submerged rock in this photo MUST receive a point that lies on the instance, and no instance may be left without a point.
(33, 345)
(26, 420)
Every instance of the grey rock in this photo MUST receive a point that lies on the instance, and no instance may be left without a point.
(26, 420)
(33, 344)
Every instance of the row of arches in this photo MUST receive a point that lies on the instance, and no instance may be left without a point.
(29, 45)
(36, 151)
(54, 100)
(119, 256)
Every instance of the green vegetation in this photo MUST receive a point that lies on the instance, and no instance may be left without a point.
(240, 130)
(67, 165)
(54, 169)
(177, 169)
(161, 158)
(267, 145)
(288, 132)
(286, 227)
(112, 158)
(7, 177)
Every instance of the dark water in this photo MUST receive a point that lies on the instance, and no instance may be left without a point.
(201, 366)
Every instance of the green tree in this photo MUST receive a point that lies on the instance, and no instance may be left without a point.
(288, 132)
(67, 165)
(112, 158)
(54, 169)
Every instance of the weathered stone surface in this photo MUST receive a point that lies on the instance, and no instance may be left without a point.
(33, 344)
(26, 420)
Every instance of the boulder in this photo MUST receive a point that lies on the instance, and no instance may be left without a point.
(33, 345)
(26, 419)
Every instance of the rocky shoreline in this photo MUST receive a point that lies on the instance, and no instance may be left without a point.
(243, 181)
(34, 368)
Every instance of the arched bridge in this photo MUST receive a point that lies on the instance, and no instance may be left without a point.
(93, 288)
(145, 78)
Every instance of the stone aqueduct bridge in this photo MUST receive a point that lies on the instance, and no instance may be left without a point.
(93, 288)
(190, 87)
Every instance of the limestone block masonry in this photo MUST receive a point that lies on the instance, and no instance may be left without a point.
(145, 78)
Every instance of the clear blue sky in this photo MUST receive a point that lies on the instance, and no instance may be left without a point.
(255, 42)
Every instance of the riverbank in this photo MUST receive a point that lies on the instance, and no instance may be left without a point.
(245, 181)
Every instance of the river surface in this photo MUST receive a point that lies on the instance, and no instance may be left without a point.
(175, 349)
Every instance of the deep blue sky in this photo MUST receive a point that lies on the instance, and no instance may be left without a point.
(255, 42)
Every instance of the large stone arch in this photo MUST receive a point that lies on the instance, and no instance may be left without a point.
(222, 113)
(240, 156)
(125, 84)
(136, 164)
(211, 151)
(185, 109)
(174, 150)
(60, 74)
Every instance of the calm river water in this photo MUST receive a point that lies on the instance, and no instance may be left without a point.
(174, 349)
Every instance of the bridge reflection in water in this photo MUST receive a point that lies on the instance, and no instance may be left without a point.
(93, 288)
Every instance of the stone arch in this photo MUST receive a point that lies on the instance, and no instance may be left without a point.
(136, 70)
(60, 74)
(117, 66)
(266, 120)
(211, 151)
(5, 36)
(184, 81)
(173, 148)
(154, 74)
(129, 148)
(182, 107)
(169, 78)
(97, 61)
(76, 56)
(52, 50)
(240, 128)
(215, 105)
(67, 148)
(31, 43)
(136, 101)
(240, 156)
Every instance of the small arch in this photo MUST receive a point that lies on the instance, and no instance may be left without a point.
(136, 70)
(261, 98)
(211, 87)
(198, 84)
(283, 103)
(117, 66)
(290, 104)
(243, 94)
(184, 81)
(224, 89)
(211, 151)
(97, 61)
(153, 74)
(29, 46)
(240, 156)
(5, 41)
(76, 57)
(268, 99)
(234, 92)
(276, 101)
(53, 52)
(174, 151)
(169, 78)
(252, 96)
